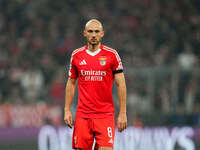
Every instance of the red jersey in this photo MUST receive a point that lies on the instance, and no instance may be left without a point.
(94, 71)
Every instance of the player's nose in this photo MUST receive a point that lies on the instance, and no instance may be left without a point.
(93, 34)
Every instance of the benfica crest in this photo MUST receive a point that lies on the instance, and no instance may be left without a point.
(102, 60)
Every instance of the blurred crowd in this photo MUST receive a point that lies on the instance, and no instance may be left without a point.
(160, 39)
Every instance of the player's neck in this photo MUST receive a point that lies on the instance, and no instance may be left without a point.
(93, 48)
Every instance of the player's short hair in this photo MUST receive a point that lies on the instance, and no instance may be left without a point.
(94, 20)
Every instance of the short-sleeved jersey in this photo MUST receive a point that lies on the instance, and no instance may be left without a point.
(95, 72)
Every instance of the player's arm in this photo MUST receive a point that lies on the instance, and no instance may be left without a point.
(69, 94)
(121, 86)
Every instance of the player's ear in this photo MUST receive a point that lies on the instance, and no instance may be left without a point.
(102, 34)
(84, 33)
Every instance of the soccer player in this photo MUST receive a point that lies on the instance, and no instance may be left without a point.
(95, 66)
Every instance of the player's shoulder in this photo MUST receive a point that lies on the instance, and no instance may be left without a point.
(78, 50)
(107, 48)
(110, 50)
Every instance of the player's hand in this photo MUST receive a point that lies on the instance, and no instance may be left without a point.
(68, 118)
(121, 121)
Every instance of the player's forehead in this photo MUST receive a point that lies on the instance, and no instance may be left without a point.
(93, 25)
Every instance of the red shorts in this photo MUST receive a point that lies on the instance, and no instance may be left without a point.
(86, 129)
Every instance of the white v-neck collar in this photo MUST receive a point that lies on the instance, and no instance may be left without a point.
(93, 53)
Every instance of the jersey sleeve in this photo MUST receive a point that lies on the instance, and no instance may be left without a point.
(117, 63)
(73, 73)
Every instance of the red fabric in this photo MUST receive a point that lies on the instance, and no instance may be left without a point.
(95, 74)
(85, 129)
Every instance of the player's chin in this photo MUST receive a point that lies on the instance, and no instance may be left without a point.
(94, 42)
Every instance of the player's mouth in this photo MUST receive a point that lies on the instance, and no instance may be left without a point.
(93, 40)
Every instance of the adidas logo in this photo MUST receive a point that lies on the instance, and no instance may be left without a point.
(83, 62)
(111, 141)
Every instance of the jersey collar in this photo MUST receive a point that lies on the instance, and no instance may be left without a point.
(93, 53)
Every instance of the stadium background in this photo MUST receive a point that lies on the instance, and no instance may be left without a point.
(158, 41)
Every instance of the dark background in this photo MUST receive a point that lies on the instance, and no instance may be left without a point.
(158, 41)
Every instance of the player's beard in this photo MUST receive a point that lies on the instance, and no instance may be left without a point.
(94, 43)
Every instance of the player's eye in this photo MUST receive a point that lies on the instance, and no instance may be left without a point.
(90, 31)
(97, 31)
